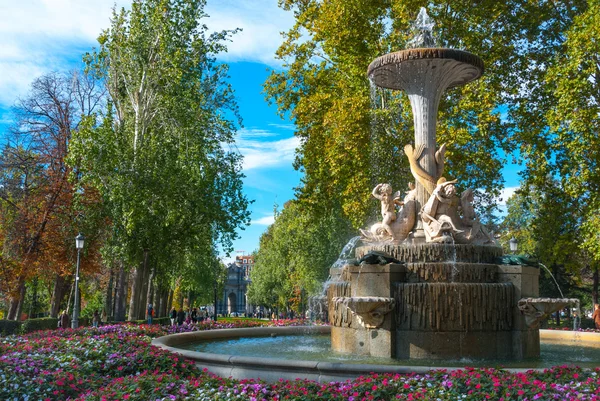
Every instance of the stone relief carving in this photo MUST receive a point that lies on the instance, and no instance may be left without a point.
(442, 221)
(395, 226)
(536, 310)
(423, 177)
(475, 232)
(342, 315)
(369, 311)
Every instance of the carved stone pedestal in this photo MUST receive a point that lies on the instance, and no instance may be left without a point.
(361, 316)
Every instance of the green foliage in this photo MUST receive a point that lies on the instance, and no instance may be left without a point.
(94, 302)
(161, 156)
(574, 120)
(8, 327)
(295, 255)
(352, 135)
(45, 323)
(543, 220)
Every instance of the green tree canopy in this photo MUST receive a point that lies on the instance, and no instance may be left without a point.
(161, 155)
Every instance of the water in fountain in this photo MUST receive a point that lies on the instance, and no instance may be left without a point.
(317, 305)
(347, 252)
(553, 278)
(422, 28)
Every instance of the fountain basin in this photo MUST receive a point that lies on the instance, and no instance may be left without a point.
(271, 370)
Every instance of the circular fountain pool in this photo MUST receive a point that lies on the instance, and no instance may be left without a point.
(305, 352)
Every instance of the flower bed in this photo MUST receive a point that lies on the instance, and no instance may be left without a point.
(117, 363)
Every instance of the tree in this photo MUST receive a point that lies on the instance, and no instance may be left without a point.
(351, 139)
(574, 122)
(160, 156)
(295, 255)
(544, 222)
(37, 197)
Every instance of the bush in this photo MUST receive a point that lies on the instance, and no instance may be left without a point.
(8, 327)
(161, 320)
(45, 323)
(155, 320)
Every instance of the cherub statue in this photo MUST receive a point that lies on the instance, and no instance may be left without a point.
(440, 217)
(476, 232)
(400, 224)
(383, 192)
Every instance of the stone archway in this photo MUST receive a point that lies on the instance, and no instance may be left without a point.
(231, 303)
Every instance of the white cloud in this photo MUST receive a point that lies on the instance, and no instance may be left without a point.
(505, 194)
(264, 221)
(39, 36)
(289, 127)
(259, 152)
(261, 21)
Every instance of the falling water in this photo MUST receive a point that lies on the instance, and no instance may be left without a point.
(555, 282)
(317, 305)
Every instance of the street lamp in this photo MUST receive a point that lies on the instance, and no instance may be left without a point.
(513, 244)
(79, 240)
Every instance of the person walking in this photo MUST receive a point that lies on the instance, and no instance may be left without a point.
(96, 318)
(180, 317)
(596, 316)
(173, 316)
(64, 321)
(149, 313)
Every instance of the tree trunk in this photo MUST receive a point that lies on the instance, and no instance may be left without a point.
(595, 286)
(135, 292)
(169, 304)
(108, 302)
(150, 292)
(58, 293)
(121, 295)
(14, 310)
(181, 299)
(70, 297)
(157, 300)
(164, 302)
(143, 288)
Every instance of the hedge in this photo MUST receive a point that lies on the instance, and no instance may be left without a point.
(8, 327)
(44, 323)
(155, 320)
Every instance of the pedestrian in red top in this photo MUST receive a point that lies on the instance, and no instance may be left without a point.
(596, 316)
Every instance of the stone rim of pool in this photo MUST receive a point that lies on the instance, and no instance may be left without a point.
(271, 369)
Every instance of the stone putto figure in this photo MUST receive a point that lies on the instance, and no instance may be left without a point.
(441, 222)
(383, 192)
(395, 226)
(475, 232)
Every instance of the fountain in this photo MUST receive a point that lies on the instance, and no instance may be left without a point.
(448, 298)
(429, 286)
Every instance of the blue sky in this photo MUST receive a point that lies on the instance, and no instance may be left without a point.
(39, 36)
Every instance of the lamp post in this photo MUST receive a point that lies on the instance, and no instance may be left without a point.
(215, 294)
(79, 240)
(513, 244)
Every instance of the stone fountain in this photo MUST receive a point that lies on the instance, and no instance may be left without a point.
(442, 294)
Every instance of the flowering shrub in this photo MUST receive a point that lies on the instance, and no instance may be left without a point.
(117, 362)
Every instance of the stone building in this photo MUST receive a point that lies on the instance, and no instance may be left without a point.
(234, 299)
